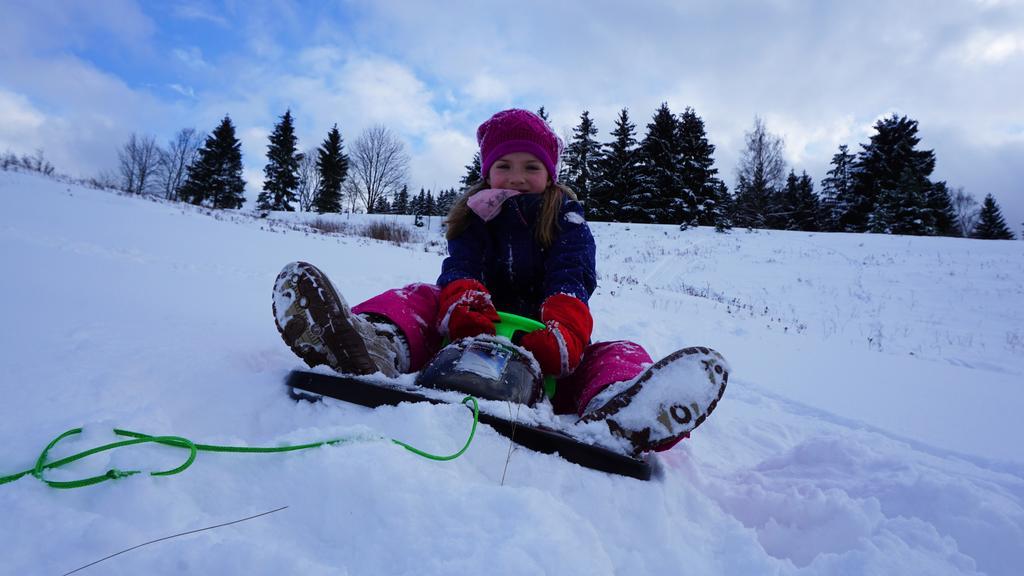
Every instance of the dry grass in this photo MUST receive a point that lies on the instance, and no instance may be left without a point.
(392, 232)
(388, 232)
(330, 226)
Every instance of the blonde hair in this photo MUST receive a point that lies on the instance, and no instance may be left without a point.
(547, 221)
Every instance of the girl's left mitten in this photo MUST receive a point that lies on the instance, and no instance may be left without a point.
(558, 347)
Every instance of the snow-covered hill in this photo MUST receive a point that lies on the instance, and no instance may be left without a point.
(872, 424)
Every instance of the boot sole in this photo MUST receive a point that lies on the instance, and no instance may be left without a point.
(316, 321)
(680, 419)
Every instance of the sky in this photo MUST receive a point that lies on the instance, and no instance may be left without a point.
(77, 78)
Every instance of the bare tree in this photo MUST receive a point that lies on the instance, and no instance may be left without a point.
(139, 161)
(309, 180)
(174, 161)
(36, 163)
(105, 180)
(378, 166)
(965, 207)
(760, 176)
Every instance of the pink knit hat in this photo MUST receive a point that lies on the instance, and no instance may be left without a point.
(518, 130)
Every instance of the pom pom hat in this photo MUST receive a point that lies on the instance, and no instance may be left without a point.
(518, 130)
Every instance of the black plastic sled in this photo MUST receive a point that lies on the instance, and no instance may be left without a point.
(311, 386)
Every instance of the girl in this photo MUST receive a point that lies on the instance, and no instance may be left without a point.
(518, 242)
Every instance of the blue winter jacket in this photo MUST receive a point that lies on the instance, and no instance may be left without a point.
(504, 255)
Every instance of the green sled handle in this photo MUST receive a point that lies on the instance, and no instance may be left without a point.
(512, 327)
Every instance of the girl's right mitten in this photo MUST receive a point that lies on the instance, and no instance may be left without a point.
(466, 309)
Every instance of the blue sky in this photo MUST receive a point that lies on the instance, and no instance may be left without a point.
(76, 78)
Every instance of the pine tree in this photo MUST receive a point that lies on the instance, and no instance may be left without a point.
(891, 182)
(700, 185)
(581, 158)
(760, 178)
(901, 207)
(419, 203)
(281, 174)
(785, 202)
(332, 163)
(429, 205)
(940, 203)
(991, 225)
(401, 204)
(720, 213)
(617, 174)
(837, 190)
(473, 174)
(445, 201)
(543, 114)
(800, 204)
(215, 177)
(655, 198)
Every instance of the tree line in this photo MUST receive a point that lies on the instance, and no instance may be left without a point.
(665, 176)
(208, 170)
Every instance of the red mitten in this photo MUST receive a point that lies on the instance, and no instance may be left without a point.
(558, 347)
(466, 309)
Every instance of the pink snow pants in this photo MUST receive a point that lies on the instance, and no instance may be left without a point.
(414, 310)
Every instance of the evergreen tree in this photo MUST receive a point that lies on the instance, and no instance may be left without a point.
(940, 202)
(543, 115)
(760, 178)
(429, 204)
(473, 174)
(901, 207)
(617, 174)
(720, 212)
(445, 201)
(215, 177)
(332, 163)
(581, 158)
(807, 208)
(891, 182)
(401, 204)
(281, 174)
(700, 185)
(798, 205)
(419, 204)
(785, 202)
(837, 189)
(655, 198)
(382, 206)
(991, 225)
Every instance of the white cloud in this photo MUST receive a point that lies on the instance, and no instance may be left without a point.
(81, 128)
(191, 57)
(197, 11)
(186, 91)
(20, 117)
(485, 88)
(988, 47)
(997, 3)
(385, 91)
(442, 159)
(812, 141)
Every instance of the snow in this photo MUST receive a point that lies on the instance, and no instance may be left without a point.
(871, 423)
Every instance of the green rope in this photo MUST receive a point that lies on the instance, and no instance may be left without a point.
(194, 449)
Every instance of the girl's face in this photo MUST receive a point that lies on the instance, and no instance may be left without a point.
(519, 171)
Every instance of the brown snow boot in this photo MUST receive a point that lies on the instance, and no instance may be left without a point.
(318, 325)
